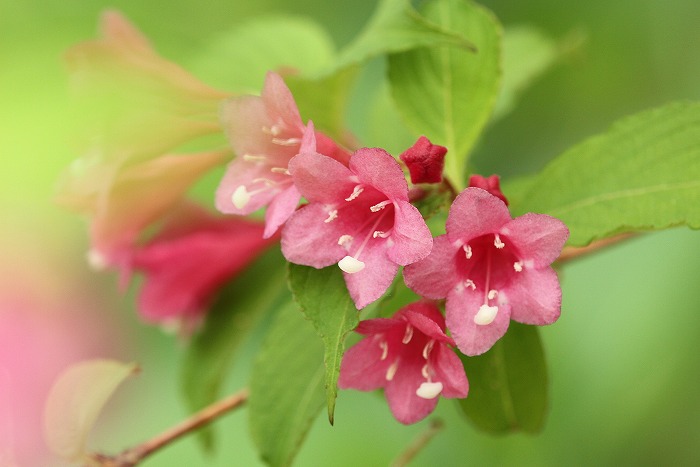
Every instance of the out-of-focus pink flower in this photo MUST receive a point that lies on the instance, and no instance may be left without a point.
(491, 184)
(409, 356)
(266, 132)
(189, 260)
(425, 161)
(491, 269)
(359, 217)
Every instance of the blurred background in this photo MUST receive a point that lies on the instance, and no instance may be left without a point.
(624, 358)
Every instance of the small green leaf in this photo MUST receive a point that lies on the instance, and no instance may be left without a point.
(237, 60)
(324, 300)
(76, 400)
(394, 27)
(448, 93)
(286, 387)
(211, 352)
(642, 174)
(508, 384)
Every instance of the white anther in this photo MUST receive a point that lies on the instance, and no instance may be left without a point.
(391, 371)
(96, 260)
(492, 294)
(379, 206)
(385, 350)
(379, 233)
(240, 197)
(428, 348)
(498, 243)
(485, 315)
(470, 283)
(344, 239)
(467, 251)
(280, 170)
(408, 335)
(351, 265)
(429, 390)
(254, 158)
(286, 142)
(518, 266)
(274, 130)
(424, 371)
(331, 216)
(355, 193)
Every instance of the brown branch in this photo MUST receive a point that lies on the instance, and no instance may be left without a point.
(572, 252)
(132, 456)
(418, 444)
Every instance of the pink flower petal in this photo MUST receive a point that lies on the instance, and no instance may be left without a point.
(425, 317)
(475, 212)
(434, 276)
(362, 367)
(491, 184)
(535, 298)
(242, 173)
(538, 237)
(280, 210)
(308, 240)
(405, 405)
(378, 168)
(449, 370)
(321, 179)
(411, 238)
(371, 282)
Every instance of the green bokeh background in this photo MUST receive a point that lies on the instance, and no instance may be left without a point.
(625, 356)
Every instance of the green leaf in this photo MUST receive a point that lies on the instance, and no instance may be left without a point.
(238, 60)
(447, 93)
(508, 384)
(394, 27)
(642, 174)
(286, 387)
(324, 300)
(211, 353)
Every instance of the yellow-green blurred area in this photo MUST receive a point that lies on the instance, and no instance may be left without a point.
(624, 358)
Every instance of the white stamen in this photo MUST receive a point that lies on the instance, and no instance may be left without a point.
(266, 181)
(518, 266)
(355, 193)
(240, 197)
(408, 335)
(280, 170)
(391, 371)
(428, 348)
(331, 216)
(467, 251)
(254, 158)
(286, 142)
(379, 206)
(379, 233)
(429, 390)
(351, 265)
(492, 294)
(274, 130)
(424, 372)
(470, 283)
(498, 243)
(485, 315)
(344, 239)
(385, 350)
(96, 260)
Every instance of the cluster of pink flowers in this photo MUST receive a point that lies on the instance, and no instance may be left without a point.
(488, 267)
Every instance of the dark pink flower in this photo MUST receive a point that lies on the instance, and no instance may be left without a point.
(491, 184)
(189, 260)
(491, 269)
(425, 161)
(359, 217)
(265, 133)
(409, 356)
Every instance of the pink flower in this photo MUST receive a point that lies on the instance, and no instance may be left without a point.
(491, 269)
(359, 217)
(491, 184)
(189, 260)
(409, 356)
(266, 132)
(425, 161)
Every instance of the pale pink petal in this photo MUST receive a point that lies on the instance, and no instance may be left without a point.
(280, 210)
(426, 317)
(475, 212)
(434, 276)
(410, 236)
(243, 173)
(535, 297)
(370, 283)
(449, 371)
(280, 102)
(378, 168)
(400, 393)
(362, 367)
(368, 327)
(537, 237)
(321, 179)
(308, 240)
(328, 147)
(473, 339)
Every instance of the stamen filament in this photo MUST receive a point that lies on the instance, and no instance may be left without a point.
(391, 371)
(355, 193)
(408, 335)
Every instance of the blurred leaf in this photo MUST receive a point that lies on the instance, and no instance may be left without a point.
(210, 355)
(527, 54)
(76, 400)
(397, 297)
(239, 59)
(383, 126)
(642, 174)
(508, 384)
(448, 93)
(286, 387)
(395, 27)
(325, 301)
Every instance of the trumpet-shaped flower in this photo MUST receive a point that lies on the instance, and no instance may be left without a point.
(408, 355)
(359, 217)
(425, 161)
(266, 132)
(491, 269)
